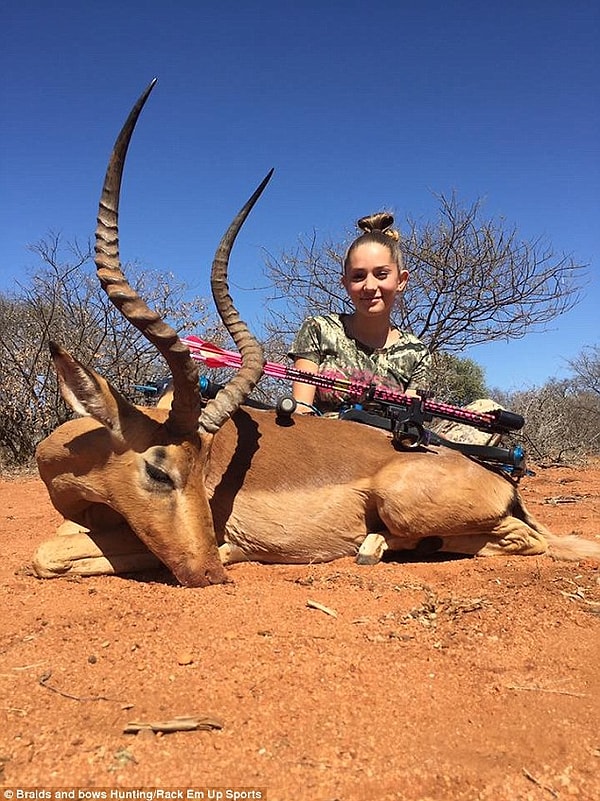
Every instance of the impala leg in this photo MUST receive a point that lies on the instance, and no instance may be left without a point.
(231, 554)
(69, 527)
(511, 537)
(516, 537)
(77, 552)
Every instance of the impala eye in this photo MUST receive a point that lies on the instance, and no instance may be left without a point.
(156, 474)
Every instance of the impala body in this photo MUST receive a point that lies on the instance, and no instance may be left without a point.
(201, 485)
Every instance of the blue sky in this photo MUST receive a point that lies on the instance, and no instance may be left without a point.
(358, 107)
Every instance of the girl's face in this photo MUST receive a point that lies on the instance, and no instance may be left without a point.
(372, 279)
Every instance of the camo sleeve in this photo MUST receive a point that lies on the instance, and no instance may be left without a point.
(308, 343)
(421, 370)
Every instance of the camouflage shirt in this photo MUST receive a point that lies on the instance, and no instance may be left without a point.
(325, 341)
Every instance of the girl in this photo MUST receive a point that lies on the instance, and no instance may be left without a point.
(364, 344)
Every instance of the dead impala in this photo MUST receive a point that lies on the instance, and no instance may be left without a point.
(204, 484)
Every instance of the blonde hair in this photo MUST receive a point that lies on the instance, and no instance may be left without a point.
(377, 228)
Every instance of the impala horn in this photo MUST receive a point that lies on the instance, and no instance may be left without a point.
(235, 392)
(184, 416)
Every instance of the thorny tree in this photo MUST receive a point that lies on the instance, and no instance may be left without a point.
(472, 280)
(65, 302)
(586, 370)
(563, 421)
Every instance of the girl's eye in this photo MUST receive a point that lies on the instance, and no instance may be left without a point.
(379, 275)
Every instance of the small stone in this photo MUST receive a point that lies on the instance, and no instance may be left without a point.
(185, 658)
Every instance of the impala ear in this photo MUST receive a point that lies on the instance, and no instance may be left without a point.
(88, 394)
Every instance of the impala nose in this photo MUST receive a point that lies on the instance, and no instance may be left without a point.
(209, 571)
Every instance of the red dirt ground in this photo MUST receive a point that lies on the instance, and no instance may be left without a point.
(442, 681)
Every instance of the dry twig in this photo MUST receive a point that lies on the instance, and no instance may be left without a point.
(538, 783)
(180, 723)
(43, 681)
(544, 690)
(321, 608)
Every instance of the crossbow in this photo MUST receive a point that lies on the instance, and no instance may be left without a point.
(404, 416)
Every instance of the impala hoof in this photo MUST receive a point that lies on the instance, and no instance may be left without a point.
(372, 549)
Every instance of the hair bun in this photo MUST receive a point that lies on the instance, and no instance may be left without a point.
(380, 223)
